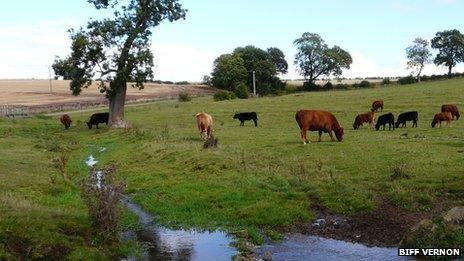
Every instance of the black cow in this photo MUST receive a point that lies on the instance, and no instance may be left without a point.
(386, 119)
(97, 118)
(407, 116)
(247, 116)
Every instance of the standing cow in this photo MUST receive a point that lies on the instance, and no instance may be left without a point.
(321, 121)
(368, 117)
(205, 125)
(442, 116)
(98, 118)
(407, 116)
(384, 120)
(66, 121)
(247, 116)
(453, 109)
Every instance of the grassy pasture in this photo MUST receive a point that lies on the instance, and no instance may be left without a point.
(257, 179)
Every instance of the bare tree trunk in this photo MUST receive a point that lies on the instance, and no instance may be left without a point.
(450, 67)
(418, 74)
(117, 101)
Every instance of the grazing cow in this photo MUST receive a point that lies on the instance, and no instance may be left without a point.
(453, 109)
(247, 116)
(407, 116)
(66, 121)
(368, 117)
(442, 116)
(205, 125)
(98, 118)
(321, 121)
(377, 104)
(386, 119)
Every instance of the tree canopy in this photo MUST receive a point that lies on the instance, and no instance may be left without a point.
(450, 46)
(230, 70)
(418, 55)
(116, 50)
(314, 58)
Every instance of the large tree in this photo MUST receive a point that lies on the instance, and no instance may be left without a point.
(450, 46)
(314, 58)
(418, 55)
(228, 72)
(231, 69)
(278, 57)
(116, 50)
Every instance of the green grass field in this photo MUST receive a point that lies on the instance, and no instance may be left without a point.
(260, 179)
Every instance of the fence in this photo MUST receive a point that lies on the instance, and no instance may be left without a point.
(13, 111)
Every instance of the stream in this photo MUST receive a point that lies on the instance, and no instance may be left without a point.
(160, 243)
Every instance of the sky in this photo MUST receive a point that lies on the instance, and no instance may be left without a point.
(374, 32)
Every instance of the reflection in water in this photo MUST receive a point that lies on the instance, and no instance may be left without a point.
(304, 247)
(166, 244)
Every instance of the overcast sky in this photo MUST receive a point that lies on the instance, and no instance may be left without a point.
(374, 32)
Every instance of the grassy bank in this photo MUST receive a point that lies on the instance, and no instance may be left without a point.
(259, 179)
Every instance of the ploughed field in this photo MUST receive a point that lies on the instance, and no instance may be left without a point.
(259, 179)
(36, 95)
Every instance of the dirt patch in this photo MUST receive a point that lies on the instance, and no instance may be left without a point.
(385, 226)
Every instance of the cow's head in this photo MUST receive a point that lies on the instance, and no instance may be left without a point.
(90, 125)
(235, 116)
(339, 133)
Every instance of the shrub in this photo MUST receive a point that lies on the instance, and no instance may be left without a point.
(364, 84)
(406, 80)
(224, 95)
(182, 83)
(310, 87)
(184, 97)
(328, 86)
(242, 91)
(101, 196)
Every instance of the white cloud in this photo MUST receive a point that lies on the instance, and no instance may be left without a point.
(28, 50)
(176, 62)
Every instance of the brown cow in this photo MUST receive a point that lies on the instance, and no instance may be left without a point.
(442, 116)
(66, 121)
(205, 124)
(368, 117)
(322, 121)
(377, 104)
(453, 109)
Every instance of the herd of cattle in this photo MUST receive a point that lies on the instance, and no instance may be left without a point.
(311, 120)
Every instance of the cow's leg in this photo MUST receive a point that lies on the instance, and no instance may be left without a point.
(242, 123)
(97, 125)
(209, 131)
(331, 135)
(320, 136)
(303, 136)
(256, 122)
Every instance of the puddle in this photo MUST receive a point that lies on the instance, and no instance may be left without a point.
(160, 243)
(304, 247)
(166, 244)
(91, 161)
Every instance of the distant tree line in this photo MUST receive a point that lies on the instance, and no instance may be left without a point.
(315, 60)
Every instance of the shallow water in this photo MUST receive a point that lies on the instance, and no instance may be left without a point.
(304, 247)
(166, 244)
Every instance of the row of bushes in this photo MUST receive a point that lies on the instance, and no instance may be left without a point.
(170, 82)
(425, 78)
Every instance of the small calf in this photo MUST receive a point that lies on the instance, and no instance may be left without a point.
(386, 119)
(247, 116)
(407, 116)
(66, 121)
(442, 116)
(98, 118)
(368, 117)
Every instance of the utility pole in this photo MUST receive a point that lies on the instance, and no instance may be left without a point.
(254, 83)
(50, 78)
